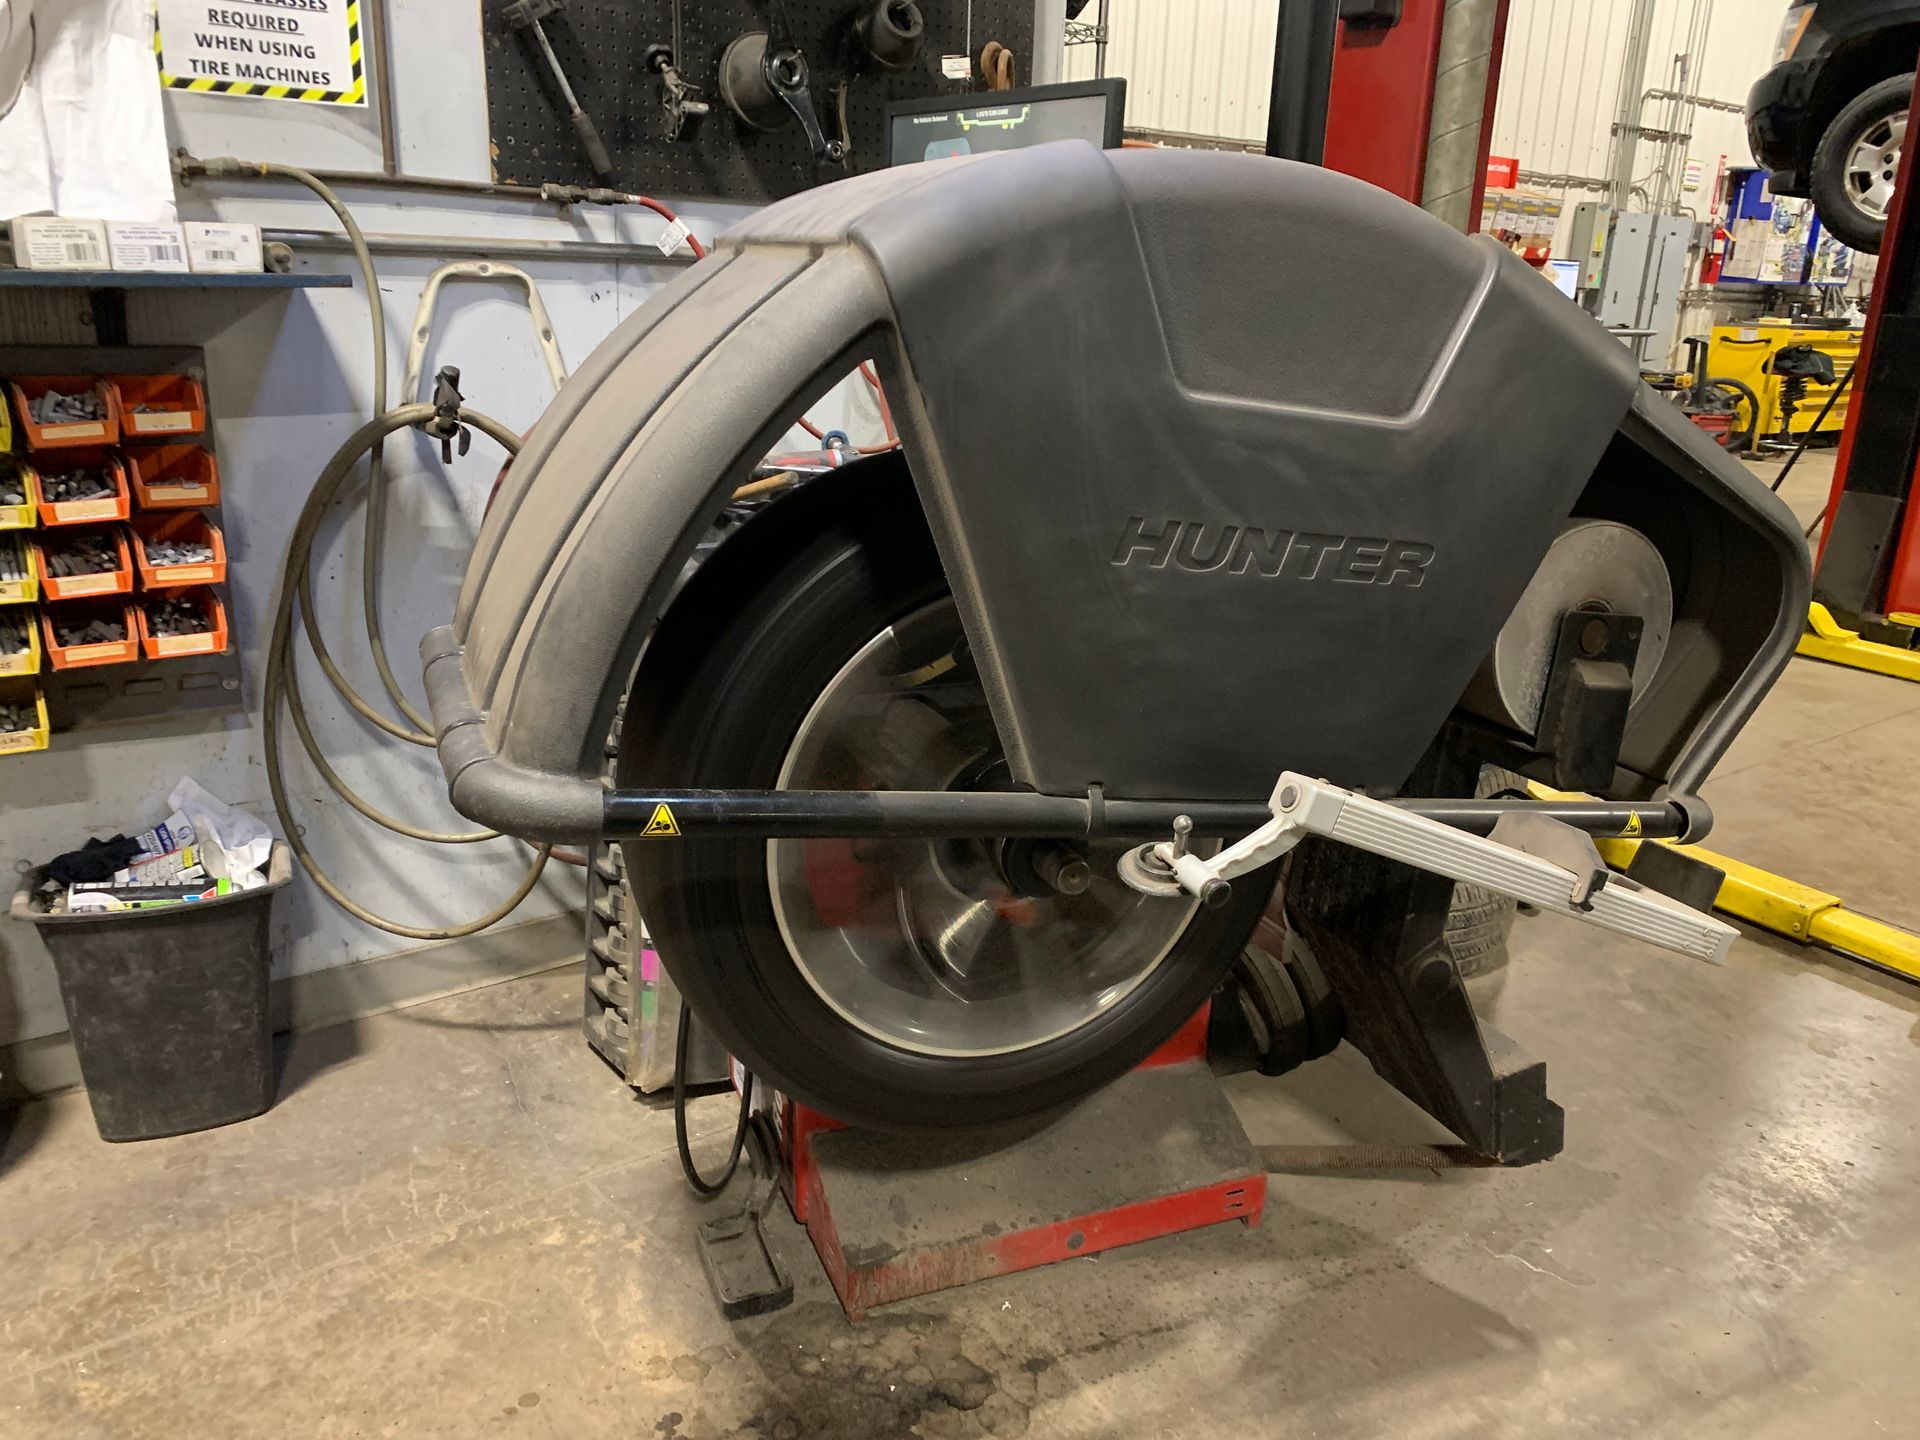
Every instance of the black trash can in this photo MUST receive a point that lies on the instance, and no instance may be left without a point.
(168, 1007)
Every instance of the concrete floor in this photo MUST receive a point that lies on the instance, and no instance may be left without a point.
(456, 1222)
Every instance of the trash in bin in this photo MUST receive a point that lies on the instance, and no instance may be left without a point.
(163, 966)
(203, 849)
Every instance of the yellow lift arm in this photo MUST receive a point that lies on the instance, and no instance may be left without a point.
(1786, 907)
(1827, 639)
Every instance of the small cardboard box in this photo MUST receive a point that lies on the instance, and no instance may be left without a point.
(46, 242)
(223, 249)
(136, 246)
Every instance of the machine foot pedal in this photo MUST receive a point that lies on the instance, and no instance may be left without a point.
(746, 1276)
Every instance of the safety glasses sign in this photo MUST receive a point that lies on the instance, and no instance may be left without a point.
(263, 49)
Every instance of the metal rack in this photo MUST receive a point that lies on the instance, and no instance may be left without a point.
(631, 1009)
(100, 696)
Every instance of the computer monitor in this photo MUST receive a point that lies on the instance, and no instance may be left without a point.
(1565, 275)
(944, 125)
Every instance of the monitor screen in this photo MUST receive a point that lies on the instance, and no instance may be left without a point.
(1007, 120)
(1565, 275)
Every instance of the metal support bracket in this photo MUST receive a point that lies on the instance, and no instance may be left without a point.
(1303, 806)
(1589, 691)
(477, 270)
(1827, 639)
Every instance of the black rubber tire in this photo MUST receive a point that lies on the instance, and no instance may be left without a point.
(1738, 438)
(1326, 1016)
(1827, 180)
(1478, 925)
(1276, 1015)
(1480, 920)
(751, 641)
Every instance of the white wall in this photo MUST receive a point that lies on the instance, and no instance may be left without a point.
(1560, 76)
(1205, 67)
(1196, 67)
(289, 380)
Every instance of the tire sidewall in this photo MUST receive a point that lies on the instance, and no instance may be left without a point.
(731, 723)
(1849, 224)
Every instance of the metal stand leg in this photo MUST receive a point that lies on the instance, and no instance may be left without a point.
(1377, 928)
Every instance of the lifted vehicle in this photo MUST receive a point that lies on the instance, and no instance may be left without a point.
(1830, 118)
(956, 780)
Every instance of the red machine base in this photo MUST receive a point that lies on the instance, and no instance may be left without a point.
(1156, 1152)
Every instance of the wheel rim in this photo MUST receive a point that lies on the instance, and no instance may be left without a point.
(1873, 161)
(923, 944)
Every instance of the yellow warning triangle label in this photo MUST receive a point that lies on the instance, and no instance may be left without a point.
(662, 822)
(1632, 826)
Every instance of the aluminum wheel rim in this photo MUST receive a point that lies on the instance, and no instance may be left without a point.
(1872, 163)
(921, 944)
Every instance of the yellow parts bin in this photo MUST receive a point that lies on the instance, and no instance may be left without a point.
(1740, 352)
(23, 698)
(1786, 907)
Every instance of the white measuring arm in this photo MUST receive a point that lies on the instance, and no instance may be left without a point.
(1303, 806)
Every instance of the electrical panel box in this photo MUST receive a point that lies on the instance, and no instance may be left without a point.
(1646, 269)
(1589, 242)
(1628, 241)
(1673, 239)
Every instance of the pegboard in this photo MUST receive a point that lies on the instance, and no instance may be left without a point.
(600, 44)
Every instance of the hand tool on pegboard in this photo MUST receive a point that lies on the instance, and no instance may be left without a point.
(681, 100)
(996, 63)
(766, 82)
(524, 16)
(862, 55)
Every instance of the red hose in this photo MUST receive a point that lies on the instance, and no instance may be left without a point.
(886, 418)
(666, 213)
(886, 410)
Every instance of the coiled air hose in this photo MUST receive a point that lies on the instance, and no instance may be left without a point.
(296, 586)
(374, 540)
(282, 682)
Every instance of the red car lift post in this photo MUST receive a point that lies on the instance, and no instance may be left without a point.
(1869, 563)
(1381, 95)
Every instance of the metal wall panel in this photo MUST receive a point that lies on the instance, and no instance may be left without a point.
(1195, 67)
(1559, 85)
(1203, 67)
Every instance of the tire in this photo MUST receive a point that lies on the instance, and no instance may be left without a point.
(1856, 215)
(1291, 1012)
(1479, 920)
(1478, 926)
(757, 636)
(1738, 437)
(1275, 1013)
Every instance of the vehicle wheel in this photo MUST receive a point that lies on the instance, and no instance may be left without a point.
(1276, 1015)
(1744, 406)
(1856, 161)
(1478, 925)
(897, 984)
